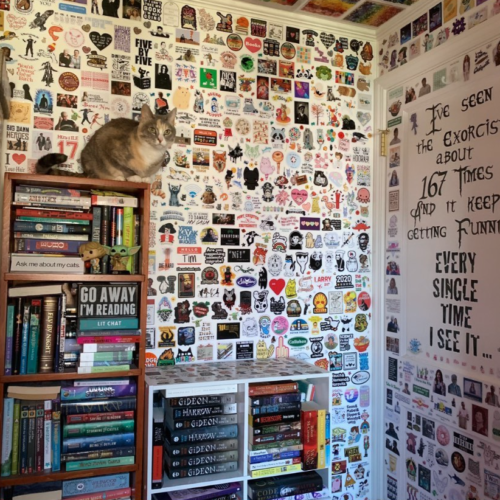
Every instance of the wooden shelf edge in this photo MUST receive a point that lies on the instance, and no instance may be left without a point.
(43, 477)
(73, 277)
(12, 379)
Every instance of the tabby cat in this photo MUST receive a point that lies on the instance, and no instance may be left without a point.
(122, 149)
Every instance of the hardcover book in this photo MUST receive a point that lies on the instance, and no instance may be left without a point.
(197, 460)
(95, 484)
(201, 470)
(209, 400)
(207, 411)
(264, 389)
(107, 406)
(206, 493)
(196, 423)
(184, 450)
(98, 442)
(195, 435)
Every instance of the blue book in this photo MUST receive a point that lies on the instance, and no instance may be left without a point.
(25, 335)
(328, 438)
(98, 442)
(282, 455)
(56, 436)
(95, 484)
(8, 423)
(72, 393)
(108, 323)
(9, 339)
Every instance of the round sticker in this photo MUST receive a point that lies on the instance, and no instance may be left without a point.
(294, 134)
(458, 461)
(288, 50)
(242, 126)
(351, 395)
(74, 37)
(279, 326)
(151, 360)
(234, 42)
(443, 435)
(364, 301)
(247, 63)
(293, 160)
(331, 341)
(69, 81)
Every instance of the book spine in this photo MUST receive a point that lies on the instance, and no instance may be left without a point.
(99, 417)
(137, 242)
(96, 233)
(296, 484)
(158, 439)
(52, 220)
(273, 471)
(36, 307)
(105, 237)
(7, 432)
(275, 450)
(15, 437)
(46, 199)
(98, 442)
(48, 333)
(112, 216)
(207, 411)
(208, 434)
(25, 338)
(273, 418)
(119, 226)
(46, 246)
(94, 455)
(309, 423)
(31, 437)
(95, 484)
(61, 333)
(98, 428)
(278, 399)
(18, 333)
(57, 338)
(114, 201)
(264, 410)
(268, 389)
(108, 340)
(49, 227)
(47, 435)
(107, 356)
(280, 455)
(107, 495)
(56, 436)
(23, 448)
(197, 460)
(119, 347)
(185, 450)
(56, 214)
(327, 438)
(275, 464)
(46, 191)
(321, 431)
(107, 323)
(9, 339)
(102, 369)
(39, 444)
(202, 470)
(209, 400)
(98, 392)
(101, 462)
(128, 231)
(276, 437)
(270, 429)
(104, 333)
(196, 423)
(282, 444)
(82, 238)
(105, 406)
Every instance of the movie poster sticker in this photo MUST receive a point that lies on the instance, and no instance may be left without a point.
(17, 137)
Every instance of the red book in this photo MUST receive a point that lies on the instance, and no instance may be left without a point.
(109, 340)
(52, 214)
(265, 389)
(99, 417)
(158, 438)
(309, 424)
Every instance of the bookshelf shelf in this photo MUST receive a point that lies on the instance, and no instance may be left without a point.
(7, 279)
(43, 477)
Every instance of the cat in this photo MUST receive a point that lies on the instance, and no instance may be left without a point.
(122, 149)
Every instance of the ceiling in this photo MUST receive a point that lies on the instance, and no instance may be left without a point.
(369, 13)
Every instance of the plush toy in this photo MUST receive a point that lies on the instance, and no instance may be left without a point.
(119, 257)
(92, 253)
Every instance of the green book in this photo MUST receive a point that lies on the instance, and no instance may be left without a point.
(8, 418)
(98, 428)
(103, 369)
(128, 231)
(15, 437)
(36, 307)
(107, 356)
(9, 339)
(108, 323)
(101, 462)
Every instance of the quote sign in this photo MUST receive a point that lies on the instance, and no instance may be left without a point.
(452, 217)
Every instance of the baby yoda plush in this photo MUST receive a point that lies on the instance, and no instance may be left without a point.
(119, 257)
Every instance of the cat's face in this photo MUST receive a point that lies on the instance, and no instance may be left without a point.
(157, 130)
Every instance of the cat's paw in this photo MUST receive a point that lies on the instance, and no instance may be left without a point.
(148, 180)
(134, 178)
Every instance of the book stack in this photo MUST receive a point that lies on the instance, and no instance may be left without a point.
(31, 432)
(226, 491)
(98, 423)
(200, 435)
(107, 326)
(36, 331)
(304, 485)
(275, 432)
(50, 225)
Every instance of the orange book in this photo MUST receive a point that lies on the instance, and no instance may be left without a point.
(266, 389)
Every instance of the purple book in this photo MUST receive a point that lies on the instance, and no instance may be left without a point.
(200, 493)
(71, 393)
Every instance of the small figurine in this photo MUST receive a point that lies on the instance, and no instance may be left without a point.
(119, 257)
(92, 253)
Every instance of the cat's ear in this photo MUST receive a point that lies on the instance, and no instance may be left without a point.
(171, 117)
(146, 113)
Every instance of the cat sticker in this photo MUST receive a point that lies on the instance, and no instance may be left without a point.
(181, 98)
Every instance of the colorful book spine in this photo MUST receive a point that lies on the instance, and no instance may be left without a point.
(209, 400)
(52, 191)
(119, 226)
(309, 423)
(207, 434)
(98, 428)
(275, 438)
(202, 470)
(50, 227)
(95, 484)
(48, 200)
(280, 455)
(283, 444)
(158, 439)
(103, 369)
(112, 217)
(100, 347)
(39, 444)
(48, 333)
(18, 333)
(107, 356)
(100, 417)
(108, 340)
(128, 231)
(105, 237)
(101, 462)
(104, 406)
(275, 450)
(196, 423)
(16, 432)
(278, 399)
(82, 238)
(56, 436)
(197, 460)
(9, 339)
(117, 201)
(120, 494)
(25, 334)
(264, 410)
(269, 389)
(98, 442)
(295, 484)
(281, 427)
(98, 391)
(46, 246)
(96, 224)
(107, 323)
(95, 454)
(61, 334)
(273, 418)
(206, 411)
(200, 448)
(53, 214)
(52, 220)
(36, 308)
(266, 468)
(137, 242)
(31, 437)
(7, 436)
(321, 431)
(47, 435)
(108, 333)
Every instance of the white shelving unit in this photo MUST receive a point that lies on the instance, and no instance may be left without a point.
(221, 378)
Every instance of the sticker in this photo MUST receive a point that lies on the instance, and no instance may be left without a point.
(258, 28)
(253, 45)
(228, 331)
(100, 40)
(288, 50)
(69, 81)
(225, 23)
(234, 42)
(188, 17)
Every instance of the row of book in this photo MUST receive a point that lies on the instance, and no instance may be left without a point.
(108, 487)
(51, 224)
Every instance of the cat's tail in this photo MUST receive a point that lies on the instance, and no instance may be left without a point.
(45, 165)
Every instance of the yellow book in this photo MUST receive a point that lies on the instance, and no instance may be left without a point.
(321, 439)
(276, 471)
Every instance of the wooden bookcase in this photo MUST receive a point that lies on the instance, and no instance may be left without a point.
(7, 279)
(219, 378)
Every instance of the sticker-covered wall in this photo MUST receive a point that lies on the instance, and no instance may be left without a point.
(442, 380)
(260, 232)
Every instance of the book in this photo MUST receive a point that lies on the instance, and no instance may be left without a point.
(34, 290)
(56, 436)
(103, 369)
(196, 423)
(34, 263)
(119, 494)
(38, 491)
(16, 432)
(7, 432)
(280, 427)
(25, 338)
(47, 435)
(116, 200)
(95, 484)
(48, 334)
(98, 442)
(137, 242)
(205, 493)
(207, 434)
(52, 220)
(95, 454)
(184, 450)
(52, 200)
(50, 190)
(18, 333)
(273, 418)
(100, 417)
(82, 238)
(275, 450)
(98, 428)
(158, 439)
(34, 336)
(107, 356)
(39, 445)
(100, 462)
(108, 333)
(33, 393)
(105, 236)
(96, 226)
(208, 411)
(209, 400)
(309, 421)
(60, 334)
(99, 382)
(110, 390)
(23, 438)
(321, 438)
(264, 410)
(277, 399)
(273, 471)
(102, 406)
(201, 470)
(107, 340)
(280, 455)
(108, 347)
(275, 437)
(265, 388)
(107, 323)
(119, 226)
(64, 215)
(46, 246)
(277, 486)
(51, 227)
(128, 231)
(197, 460)
(9, 338)
(267, 446)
